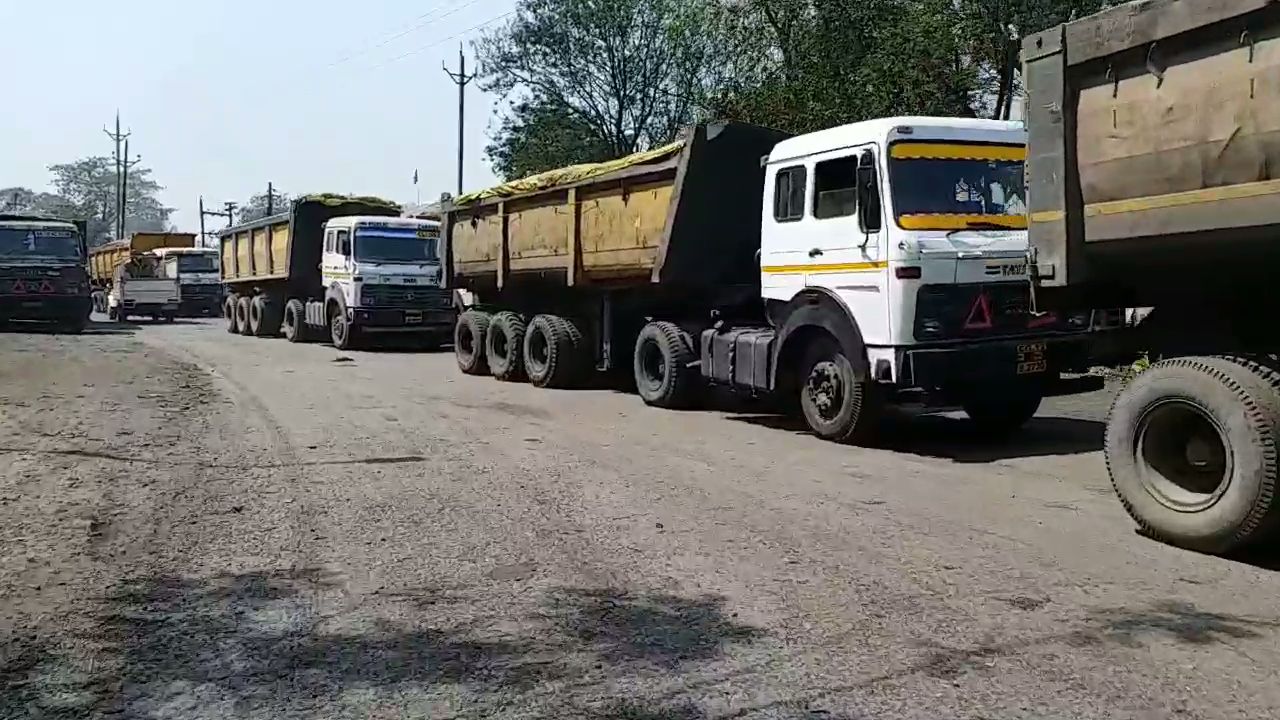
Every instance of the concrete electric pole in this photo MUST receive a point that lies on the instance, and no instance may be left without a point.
(461, 79)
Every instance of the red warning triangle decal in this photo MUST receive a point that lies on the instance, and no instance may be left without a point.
(46, 286)
(19, 286)
(980, 314)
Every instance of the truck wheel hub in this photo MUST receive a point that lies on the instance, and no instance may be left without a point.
(825, 390)
(1183, 455)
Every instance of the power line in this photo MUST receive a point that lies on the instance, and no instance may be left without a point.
(442, 41)
(426, 19)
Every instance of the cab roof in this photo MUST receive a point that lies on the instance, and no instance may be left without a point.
(884, 129)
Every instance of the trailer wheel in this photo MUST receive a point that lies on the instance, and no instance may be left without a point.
(295, 322)
(470, 335)
(835, 405)
(662, 360)
(242, 315)
(552, 349)
(264, 317)
(229, 313)
(504, 346)
(1002, 410)
(1192, 445)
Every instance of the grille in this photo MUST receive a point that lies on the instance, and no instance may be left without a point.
(200, 292)
(962, 311)
(395, 296)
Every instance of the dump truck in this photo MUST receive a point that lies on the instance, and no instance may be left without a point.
(196, 270)
(840, 271)
(105, 258)
(43, 278)
(345, 269)
(139, 288)
(1154, 160)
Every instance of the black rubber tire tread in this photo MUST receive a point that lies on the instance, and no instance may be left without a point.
(1005, 409)
(579, 361)
(1250, 383)
(297, 332)
(862, 416)
(229, 313)
(510, 369)
(242, 315)
(272, 315)
(477, 323)
(350, 338)
(679, 386)
(256, 311)
(563, 340)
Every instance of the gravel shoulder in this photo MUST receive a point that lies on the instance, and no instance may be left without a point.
(196, 525)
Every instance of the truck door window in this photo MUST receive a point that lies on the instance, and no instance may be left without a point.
(328, 241)
(344, 243)
(788, 194)
(835, 188)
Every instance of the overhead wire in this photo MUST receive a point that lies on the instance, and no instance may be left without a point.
(425, 19)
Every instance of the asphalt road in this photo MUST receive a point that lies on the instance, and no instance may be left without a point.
(197, 525)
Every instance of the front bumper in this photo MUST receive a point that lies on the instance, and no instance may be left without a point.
(948, 369)
(45, 308)
(402, 320)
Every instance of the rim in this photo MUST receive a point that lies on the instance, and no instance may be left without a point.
(824, 390)
(653, 366)
(1183, 455)
(337, 328)
(539, 353)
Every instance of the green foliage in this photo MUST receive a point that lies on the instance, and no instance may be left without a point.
(255, 208)
(87, 189)
(537, 136)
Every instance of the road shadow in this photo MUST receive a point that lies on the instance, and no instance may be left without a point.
(283, 640)
(959, 440)
(38, 680)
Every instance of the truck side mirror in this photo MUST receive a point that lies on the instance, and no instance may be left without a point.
(869, 212)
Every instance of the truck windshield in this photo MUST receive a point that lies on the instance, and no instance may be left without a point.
(197, 264)
(20, 243)
(956, 186)
(397, 244)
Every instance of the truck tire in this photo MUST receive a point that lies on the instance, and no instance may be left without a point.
(1002, 410)
(1191, 447)
(552, 352)
(470, 335)
(504, 346)
(229, 313)
(834, 404)
(242, 315)
(341, 333)
(264, 316)
(255, 316)
(294, 322)
(662, 360)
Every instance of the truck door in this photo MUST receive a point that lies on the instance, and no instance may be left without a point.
(844, 237)
(783, 254)
(335, 265)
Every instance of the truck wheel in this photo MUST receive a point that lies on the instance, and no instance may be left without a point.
(1002, 410)
(170, 317)
(470, 335)
(504, 346)
(243, 304)
(552, 349)
(229, 313)
(661, 363)
(295, 322)
(1191, 446)
(341, 333)
(835, 405)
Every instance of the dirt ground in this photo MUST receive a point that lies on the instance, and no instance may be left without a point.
(197, 525)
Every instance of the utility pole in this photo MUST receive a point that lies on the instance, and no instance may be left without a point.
(228, 214)
(118, 137)
(461, 79)
(125, 164)
(271, 200)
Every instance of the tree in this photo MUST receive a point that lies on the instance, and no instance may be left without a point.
(628, 73)
(537, 135)
(88, 187)
(255, 208)
(26, 200)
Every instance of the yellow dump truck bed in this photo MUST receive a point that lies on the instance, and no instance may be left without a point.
(685, 213)
(104, 259)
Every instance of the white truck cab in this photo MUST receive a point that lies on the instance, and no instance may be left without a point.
(384, 274)
(196, 270)
(909, 235)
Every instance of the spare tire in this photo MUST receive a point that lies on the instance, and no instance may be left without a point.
(1192, 446)
(470, 334)
(504, 346)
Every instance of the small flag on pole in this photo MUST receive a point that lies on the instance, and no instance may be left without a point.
(415, 177)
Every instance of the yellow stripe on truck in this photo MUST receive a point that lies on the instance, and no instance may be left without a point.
(957, 151)
(947, 221)
(824, 268)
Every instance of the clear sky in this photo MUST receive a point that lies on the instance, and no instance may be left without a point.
(312, 95)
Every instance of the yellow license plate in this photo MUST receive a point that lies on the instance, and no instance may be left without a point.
(1031, 358)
